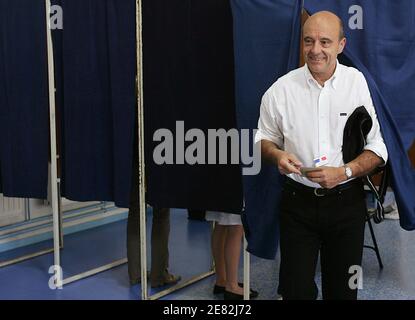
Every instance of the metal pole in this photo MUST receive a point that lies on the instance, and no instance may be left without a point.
(212, 262)
(141, 169)
(95, 271)
(247, 288)
(53, 153)
(25, 257)
(60, 215)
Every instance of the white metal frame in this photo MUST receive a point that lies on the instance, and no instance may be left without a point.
(55, 182)
(25, 257)
(247, 270)
(58, 233)
(29, 256)
(53, 153)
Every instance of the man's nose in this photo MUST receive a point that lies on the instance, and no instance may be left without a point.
(316, 48)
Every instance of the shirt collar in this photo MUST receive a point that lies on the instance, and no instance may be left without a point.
(333, 80)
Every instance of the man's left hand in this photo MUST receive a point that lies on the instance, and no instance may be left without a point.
(327, 177)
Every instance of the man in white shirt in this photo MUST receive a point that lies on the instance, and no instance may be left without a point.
(301, 126)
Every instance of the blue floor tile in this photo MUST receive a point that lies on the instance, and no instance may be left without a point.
(190, 255)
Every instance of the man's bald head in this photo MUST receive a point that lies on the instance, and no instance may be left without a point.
(323, 40)
(328, 18)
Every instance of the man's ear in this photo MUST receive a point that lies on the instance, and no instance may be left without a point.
(342, 45)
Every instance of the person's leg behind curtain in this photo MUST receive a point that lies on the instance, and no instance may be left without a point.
(233, 245)
(218, 252)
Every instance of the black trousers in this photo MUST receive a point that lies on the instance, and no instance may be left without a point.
(332, 225)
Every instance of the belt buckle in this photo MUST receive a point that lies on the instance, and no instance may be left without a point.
(318, 194)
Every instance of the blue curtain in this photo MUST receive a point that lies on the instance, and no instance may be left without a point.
(266, 40)
(189, 77)
(24, 120)
(96, 68)
(384, 50)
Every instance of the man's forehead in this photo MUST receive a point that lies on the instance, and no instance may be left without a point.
(321, 30)
(319, 34)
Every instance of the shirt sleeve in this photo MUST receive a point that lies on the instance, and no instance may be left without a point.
(375, 142)
(269, 124)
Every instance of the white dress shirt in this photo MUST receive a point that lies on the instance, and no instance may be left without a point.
(308, 120)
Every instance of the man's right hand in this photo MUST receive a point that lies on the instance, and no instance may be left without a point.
(288, 163)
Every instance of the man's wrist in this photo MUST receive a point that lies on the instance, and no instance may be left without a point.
(277, 155)
(348, 172)
(342, 174)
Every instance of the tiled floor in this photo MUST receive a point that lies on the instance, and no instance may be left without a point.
(190, 255)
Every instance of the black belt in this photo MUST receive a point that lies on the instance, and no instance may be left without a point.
(321, 192)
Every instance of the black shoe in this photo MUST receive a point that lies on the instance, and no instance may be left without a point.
(227, 295)
(219, 290)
